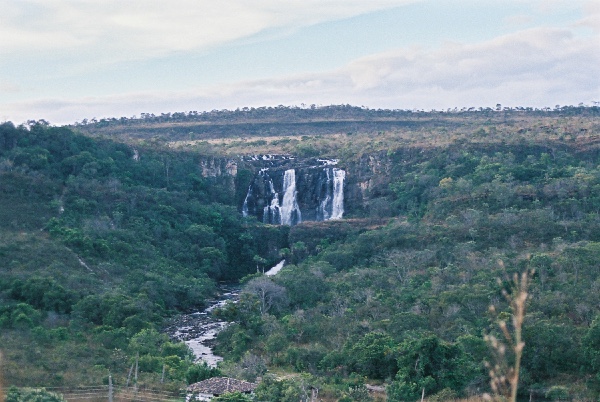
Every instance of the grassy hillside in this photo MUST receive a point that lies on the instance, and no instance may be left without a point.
(332, 130)
(98, 247)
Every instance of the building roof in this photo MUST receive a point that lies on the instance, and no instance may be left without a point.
(221, 385)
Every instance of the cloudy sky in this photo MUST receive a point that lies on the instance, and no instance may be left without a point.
(66, 60)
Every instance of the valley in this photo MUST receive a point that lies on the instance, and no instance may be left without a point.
(399, 230)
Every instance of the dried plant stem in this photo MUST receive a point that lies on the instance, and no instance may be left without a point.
(518, 307)
(504, 378)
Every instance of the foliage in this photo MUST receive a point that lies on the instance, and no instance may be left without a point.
(15, 394)
(101, 241)
(292, 389)
(356, 394)
(200, 372)
(372, 301)
(102, 237)
(233, 397)
(431, 364)
(557, 393)
(373, 355)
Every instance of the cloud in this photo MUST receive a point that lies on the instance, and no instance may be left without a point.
(519, 56)
(126, 30)
(518, 20)
(592, 16)
(537, 67)
(7, 87)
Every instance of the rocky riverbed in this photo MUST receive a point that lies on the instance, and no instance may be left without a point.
(198, 330)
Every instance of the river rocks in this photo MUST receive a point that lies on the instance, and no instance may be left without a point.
(199, 330)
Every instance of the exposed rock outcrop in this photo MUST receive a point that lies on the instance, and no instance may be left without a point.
(363, 187)
(215, 167)
(289, 191)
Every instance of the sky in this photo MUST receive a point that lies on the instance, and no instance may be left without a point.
(66, 60)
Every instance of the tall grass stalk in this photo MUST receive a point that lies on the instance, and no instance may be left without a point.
(504, 376)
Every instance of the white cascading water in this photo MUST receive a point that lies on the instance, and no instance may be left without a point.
(324, 206)
(337, 210)
(289, 205)
(274, 270)
(245, 206)
(272, 212)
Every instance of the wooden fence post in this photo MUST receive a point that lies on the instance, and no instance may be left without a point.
(110, 388)
(129, 375)
(137, 358)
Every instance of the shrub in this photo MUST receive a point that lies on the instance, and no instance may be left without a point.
(15, 394)
(233, 397)
(557, 393)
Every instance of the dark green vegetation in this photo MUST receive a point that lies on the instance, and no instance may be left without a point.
(32, 395)
(97, 248)
(398, 294)
(407, 303)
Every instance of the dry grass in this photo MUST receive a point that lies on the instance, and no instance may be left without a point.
(572, 131)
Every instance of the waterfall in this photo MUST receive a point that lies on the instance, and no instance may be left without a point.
(337, 210)
(331, 194)
(274, 270)
(272, 212)
(325, 206)
(290, 211)
(245, 206)
(275, 195)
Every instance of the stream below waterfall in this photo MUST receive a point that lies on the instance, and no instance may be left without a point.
(198, 330)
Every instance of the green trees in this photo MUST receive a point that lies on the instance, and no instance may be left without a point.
(298, 388)
(432, 365)
(201, 371)
(373, 355)
(127, 242)
(19, 315)
(551, 348)
(591, 344)
(233, 397)
(15, 394)
(124, 243)
(44, 293)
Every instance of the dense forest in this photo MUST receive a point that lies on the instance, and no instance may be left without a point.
(98, 247)
(109, 228)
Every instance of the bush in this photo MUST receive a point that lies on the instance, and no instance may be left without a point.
(358, 393)
(446, 394)
(232, 397)
(15, 394)
(201, 372)
(557, 393)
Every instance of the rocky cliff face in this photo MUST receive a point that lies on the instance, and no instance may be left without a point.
(289, 190)
(323, 189)
(216, 167)
(367, 186)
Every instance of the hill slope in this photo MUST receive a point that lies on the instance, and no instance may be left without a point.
(103, 238)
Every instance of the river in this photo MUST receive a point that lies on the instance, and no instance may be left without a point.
(198, 330)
